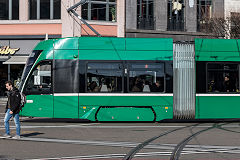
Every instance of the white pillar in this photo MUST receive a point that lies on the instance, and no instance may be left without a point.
(121, 18)
(23, 10)
(131, 16)
(70, 28)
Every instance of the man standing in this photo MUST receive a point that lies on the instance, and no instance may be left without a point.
(12, 110)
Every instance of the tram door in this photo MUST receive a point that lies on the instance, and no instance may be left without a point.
(66, 83)
(184, 81)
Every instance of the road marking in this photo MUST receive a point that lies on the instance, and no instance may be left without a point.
(201, 148)
(116, 127)
(21, 118)
(63, 126)
(96, 156)
(147, 154)
(189, 149)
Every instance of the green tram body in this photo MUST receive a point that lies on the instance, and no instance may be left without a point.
(216, 105)
(65, 99)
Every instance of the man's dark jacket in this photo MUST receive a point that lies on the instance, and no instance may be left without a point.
(14, 100)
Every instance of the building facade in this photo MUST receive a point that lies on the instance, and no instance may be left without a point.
(24, 23)
(106, 16)
(230, 7)
(183, 20)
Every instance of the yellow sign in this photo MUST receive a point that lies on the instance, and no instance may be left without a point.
(7, 50)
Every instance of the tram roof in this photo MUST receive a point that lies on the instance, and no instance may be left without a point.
(217, 49)
(108, 43)
(136, 48)
(111, 48)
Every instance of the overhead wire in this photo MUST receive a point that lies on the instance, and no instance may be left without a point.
(80, 24)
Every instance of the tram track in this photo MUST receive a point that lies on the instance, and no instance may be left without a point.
(135, 150)
(179, 148)
(228, 130)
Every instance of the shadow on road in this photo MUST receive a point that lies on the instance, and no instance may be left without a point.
(31, 134)
(54, 120)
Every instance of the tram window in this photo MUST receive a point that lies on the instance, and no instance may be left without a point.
(40, 81)
(222, 77)
(146, 77)
(104, 77)
(32, 58)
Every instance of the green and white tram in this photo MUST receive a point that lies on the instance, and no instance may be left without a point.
(132, 79)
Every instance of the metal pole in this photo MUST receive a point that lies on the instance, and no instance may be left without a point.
(10, 10)
(51, 9)
(107, 11)
(9, 70)
(86, 23)
(76, 5)
(38, 9)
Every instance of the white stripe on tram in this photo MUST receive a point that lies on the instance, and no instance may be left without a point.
(141, 94)
(218, 95)
(65, 94)
(115, 94)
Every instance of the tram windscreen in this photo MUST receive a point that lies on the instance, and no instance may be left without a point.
(31, 60)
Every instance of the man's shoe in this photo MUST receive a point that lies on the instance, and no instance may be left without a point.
(16, 137)
(6, 136)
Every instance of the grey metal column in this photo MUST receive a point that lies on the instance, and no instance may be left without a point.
(38, 9)
(9, 71)
(51, 9)
(89, 10)
(140, 8)
(184, 81)
(147, 9)
(10, 10)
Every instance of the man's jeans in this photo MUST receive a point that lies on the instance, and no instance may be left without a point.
(16, 120)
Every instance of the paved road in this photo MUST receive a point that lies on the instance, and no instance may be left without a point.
(51, 139)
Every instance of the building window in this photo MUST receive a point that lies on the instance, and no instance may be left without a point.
(45, 9)
(175, 15)
(103, 10)
(204, 13)
(145, 14)
(9, 9)
(222, 77)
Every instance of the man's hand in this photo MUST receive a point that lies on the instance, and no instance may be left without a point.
(11, 112)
